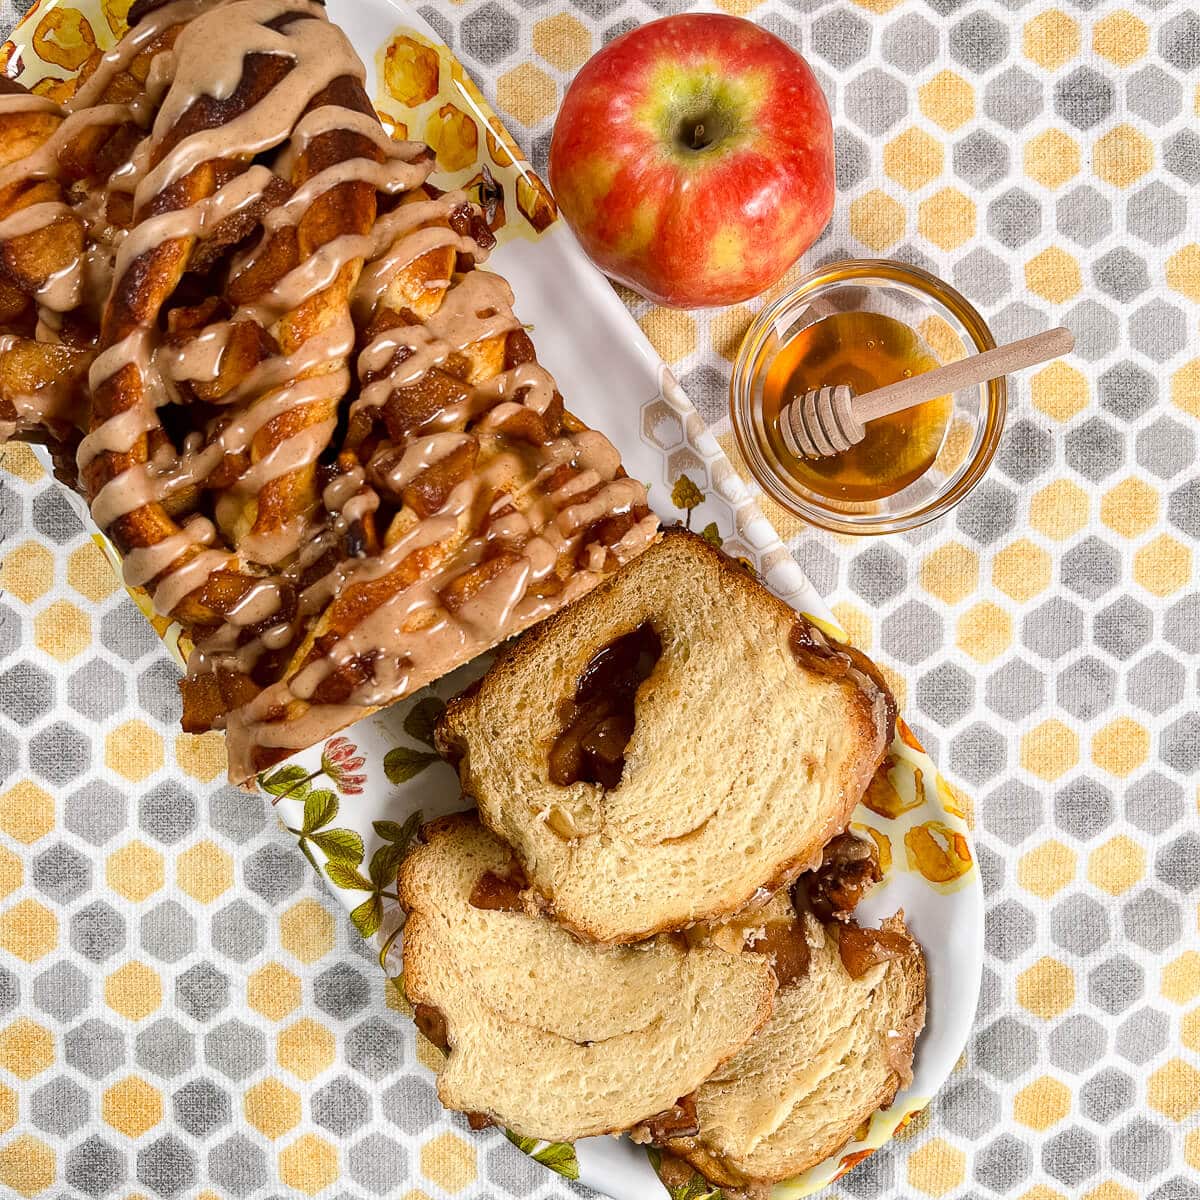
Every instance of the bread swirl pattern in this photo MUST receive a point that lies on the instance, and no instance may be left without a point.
(314, 428)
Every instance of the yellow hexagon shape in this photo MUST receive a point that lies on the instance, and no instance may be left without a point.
(913, 159)
(132, 1106)
(1022, 570)
(1163, 566)
(27, 571)
(1059, 510)
(12, 872)
(26, 812)
(1110, 1191)
(1046, 869)
(204, 872)
(1059, 390)
(306, 931)
(273, 991)
(1120, 37)
(947, 100)
(133, 750)
(1183, 271)
(135, 871)
(563, 41)
(1174, 1090)
(1046, 989)
(1122, 156)
(453, 136)
(26, 1049)
(62, 631)
(1042, 1103)
(1185, 388)
(309, 1164)
(18, 459)
(1191, 1149)
(449, 1161)
(936, 1168)
(272, 1108)
(947, 218)
(202, 756)
(527, 93)
(90, 573)
(1130, 508)
(28, 931)
(671, 332)
(305, 1049)
(984, 631)
(1050, 750)
(1181, 978)
(410, 71)
(1189, 1030)
(1052, 158)
(10, 1107)
(951, 573)
(1054, 275)
(877, 220)
(1117, 865)
(1121, 747)
(133, 990)
(27, 1165)
(1050, 39)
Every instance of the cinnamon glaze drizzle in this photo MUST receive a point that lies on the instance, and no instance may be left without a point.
(376, 480)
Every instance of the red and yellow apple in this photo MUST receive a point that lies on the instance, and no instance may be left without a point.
(693, 158)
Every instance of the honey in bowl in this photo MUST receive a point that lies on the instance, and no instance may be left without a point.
(865, 350)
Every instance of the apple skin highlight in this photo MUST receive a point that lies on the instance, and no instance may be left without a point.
(693, 158)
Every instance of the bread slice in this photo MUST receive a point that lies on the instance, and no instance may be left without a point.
(836, 1049)
(549, 1036)
(753, 738)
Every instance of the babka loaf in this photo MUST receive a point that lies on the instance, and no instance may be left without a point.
(670, 746)
(549, 1036)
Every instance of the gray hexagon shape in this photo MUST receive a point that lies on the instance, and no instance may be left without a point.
(978, 42)
(1127, 390)
(978, 753)
(708, 389)
(1013, 98)
(946, 694)
(1076, 1043)
(274, 872)
(1003, 1163)
(1072, 1156)
(1083, 808)
(1165, 447)
(852, 159)
(1015, 690)
(1106, 1095)
(237, 815)
(991, 992)
(158, 691)
(201, 1108)
(1179, 41)
(1154, 95)
(10, 754)
(516, 1174)
(341, 991)
(10, 622)
(1154, 803)
(875, 101)
(341, 1106)
(1026, 451)
(1091, 568)
(54, 517)
(1158, 330)
(1143, 1035)
(841, 38)
(1012, 812)
(60, 753)
(911, 43)
(202, 991)
(1009, 929)
(1014, 218)
(239, 931)
(1053, 629)
(411, 1104)
(97, 931)
(968, 1107)
(1183, 508)
(1156, 214)
(1177, 864)
(62, 873)
(1179, 744)
(165, 1048)
(1176, 1189)
(375, 1048)
(94, 1049)
(59, 1107)
(1006, 1049)
(1123, 628)
(167, 812)
(1181, 624)
(376, 1162)
(981, 159)
(1116, 983)
(238, 1166)
(1141, 1149)
(94, 1167)
(168, 932)
(96, 690)
(988, 513)
(1152, 921)
(819, 564)
(1080, 925)
(167, 1166)
(1086, 688)
(1156, 683)
(1181, 155)
(95, 813)
(127, 633)
(489, 33)
(877, 574)
(911, 633)
(1083, 98)
(235, 1049)
(10, 990)
(1096, 328)
(26, 693)
(1083, 215)
(1018, 320)
(63, 991)
(1121, 274)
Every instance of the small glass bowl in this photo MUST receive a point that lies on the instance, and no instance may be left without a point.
(952, 329)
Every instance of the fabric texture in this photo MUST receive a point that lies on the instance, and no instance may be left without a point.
(184, 1011)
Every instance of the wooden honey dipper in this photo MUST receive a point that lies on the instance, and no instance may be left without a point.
(829, 420)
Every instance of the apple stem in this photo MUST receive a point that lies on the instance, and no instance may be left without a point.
(698, 142)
